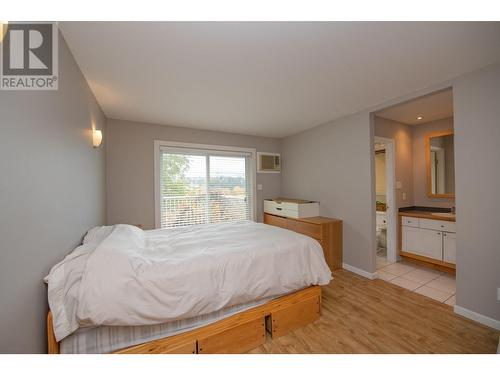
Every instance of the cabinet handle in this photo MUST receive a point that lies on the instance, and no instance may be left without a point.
(444, 234)
(439, 233)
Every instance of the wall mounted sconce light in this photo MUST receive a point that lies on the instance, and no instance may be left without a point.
(3, 29)
(96, 138)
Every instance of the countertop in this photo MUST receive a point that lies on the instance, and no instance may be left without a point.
(425, 215)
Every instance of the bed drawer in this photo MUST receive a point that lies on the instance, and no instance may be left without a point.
(311, 230)
(167, 345)
(275, 220)
(294, 316)
(239, 339)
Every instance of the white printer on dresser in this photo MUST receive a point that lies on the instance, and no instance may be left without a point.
(294, 208)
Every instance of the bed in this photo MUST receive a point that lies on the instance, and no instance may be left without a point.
(209, 288)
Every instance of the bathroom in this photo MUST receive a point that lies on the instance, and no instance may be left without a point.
(415, 195)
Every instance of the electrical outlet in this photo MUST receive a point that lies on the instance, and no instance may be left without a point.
(399, 184)
(259, 186)
(404, 196)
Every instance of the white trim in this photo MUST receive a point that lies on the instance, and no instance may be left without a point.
(368, 275)
(158, 144)
(157, 183)
(483, 319)
(392, 219)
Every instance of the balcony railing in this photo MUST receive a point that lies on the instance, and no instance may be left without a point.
(179, 211)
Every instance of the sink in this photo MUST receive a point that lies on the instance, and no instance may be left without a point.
(443, 214)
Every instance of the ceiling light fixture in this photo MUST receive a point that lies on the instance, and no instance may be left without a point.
(419, 118)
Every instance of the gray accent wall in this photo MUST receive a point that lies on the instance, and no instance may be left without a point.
(477, 177)
(130, 166)
(52, 190)
(334, 165)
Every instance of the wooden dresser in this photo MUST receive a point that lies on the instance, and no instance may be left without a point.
(327, 231)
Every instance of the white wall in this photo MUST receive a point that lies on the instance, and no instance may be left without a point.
(52, 190)
(477, 181)
(334, 165)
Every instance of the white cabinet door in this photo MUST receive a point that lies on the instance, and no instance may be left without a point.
(449, 247)
(424, 242)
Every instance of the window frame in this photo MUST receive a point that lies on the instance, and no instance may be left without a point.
(228, 150)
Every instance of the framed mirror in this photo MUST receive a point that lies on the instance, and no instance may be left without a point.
(440, 155)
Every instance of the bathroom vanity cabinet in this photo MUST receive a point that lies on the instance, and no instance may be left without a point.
(428, 238)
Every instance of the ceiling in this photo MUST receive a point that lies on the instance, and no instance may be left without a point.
(270, 79)
(432, 107)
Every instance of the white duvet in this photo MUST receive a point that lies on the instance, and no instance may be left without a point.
(122, 275)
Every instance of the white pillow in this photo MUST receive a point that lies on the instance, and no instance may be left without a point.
(97, 234)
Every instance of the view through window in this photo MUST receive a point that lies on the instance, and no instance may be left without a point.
(202, 187)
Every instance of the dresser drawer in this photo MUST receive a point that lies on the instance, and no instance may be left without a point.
(442, 225)
(280, 204)
(275, 220)
(410, 221)
(282, 212)
(291, 209)
(311, 230)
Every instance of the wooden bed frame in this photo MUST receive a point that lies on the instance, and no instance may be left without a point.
(238, 333)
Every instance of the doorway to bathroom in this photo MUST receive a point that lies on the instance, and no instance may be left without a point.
(423, 185)
(385, 200)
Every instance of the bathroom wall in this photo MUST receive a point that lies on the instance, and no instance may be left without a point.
(401, 133)
(418, 135)
(380, 177)
(410, 159)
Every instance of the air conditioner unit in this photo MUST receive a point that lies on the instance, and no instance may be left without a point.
(268, 162)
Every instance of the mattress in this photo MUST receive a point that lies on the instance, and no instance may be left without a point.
(122, 276)
(108, 339)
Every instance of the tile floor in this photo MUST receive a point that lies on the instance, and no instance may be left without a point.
(428, 282)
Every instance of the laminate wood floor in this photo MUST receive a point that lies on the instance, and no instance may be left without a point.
(374, 316)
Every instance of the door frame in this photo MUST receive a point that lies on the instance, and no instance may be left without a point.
(390, 170)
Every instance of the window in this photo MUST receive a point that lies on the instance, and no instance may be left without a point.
(199, 184)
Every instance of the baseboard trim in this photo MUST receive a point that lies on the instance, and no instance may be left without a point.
(359, 271)
(483, 319)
